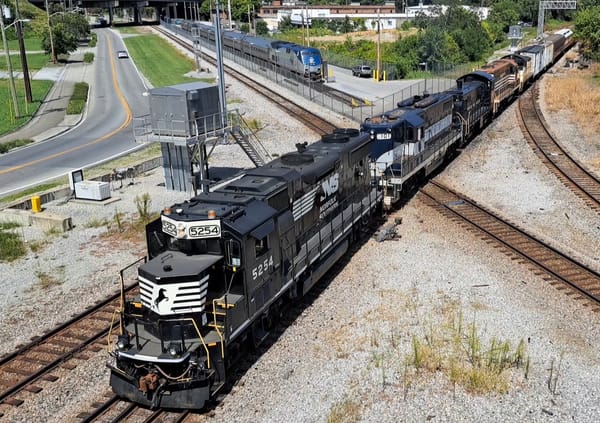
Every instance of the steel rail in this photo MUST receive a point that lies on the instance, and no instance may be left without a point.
(567, 270)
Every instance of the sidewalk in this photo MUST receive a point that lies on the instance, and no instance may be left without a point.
(51, 118)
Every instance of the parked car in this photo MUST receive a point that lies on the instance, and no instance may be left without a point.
(362, 70)
(122, 54)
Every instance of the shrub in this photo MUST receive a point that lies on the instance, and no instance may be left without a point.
(6, 147)
(93, 40)
(88, 57)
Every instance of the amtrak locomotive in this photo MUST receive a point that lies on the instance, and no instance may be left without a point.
(300, 60)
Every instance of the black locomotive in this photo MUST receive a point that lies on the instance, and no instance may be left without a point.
(222, 264)
(412, 140)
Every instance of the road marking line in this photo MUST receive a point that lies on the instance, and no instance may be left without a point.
(102, 138)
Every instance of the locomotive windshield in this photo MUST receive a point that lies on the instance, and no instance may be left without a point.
(194, 246)
(311, 57)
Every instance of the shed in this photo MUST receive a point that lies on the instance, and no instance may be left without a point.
(185, 110)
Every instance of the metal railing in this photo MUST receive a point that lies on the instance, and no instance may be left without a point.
(306, 87)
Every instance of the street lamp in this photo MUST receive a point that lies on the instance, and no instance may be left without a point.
(13, 90)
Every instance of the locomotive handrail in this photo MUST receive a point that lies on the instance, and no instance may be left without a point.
(214, 312)
(112, 325)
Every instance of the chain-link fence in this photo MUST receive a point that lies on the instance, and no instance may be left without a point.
(433, 81)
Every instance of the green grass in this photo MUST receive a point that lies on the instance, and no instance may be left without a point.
(78, 99)
(35, 61)
(8, 122)
(128, 30)
(151, 52)
(31, 44)
(35, 190)
(12, 246)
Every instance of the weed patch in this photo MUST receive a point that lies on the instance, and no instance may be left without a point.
(88, 57)
(12, 246)
(48, 280)
(346, 411)
(7, 146)
(458, 351)
(580, 93)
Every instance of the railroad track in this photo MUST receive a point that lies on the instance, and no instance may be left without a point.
(561, 271)
(118, 410)
(566, 168)
(30, 367)
(308, 118)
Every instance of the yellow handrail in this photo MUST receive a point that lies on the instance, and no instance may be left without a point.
(215, 323)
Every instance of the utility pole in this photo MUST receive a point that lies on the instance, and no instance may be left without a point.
(303, 34)
(229, 14)
(13, 90)
(220, 71)
(50, 33)
(378, 47)
(26, 80)
(307, 25)
(249, 22)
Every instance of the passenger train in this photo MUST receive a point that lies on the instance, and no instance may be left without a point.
(300, 60)
(221, 266)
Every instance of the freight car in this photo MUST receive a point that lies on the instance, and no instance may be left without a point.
(221, 265)
(300, 60)
(411, 141)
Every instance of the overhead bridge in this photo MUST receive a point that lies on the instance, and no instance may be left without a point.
(163, 7)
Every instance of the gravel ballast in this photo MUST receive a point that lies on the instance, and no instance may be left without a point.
(350, 350)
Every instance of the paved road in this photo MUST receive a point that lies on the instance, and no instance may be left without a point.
(116, 95)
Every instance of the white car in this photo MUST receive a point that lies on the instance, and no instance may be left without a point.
(122, 54)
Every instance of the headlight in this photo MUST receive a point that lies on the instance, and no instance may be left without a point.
(123, 341)
(174, 349)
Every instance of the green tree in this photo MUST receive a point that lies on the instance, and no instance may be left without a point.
(285, 24)
(67, 30)
(587, 30)
(437, 48)
(261, 27)
(504, 14)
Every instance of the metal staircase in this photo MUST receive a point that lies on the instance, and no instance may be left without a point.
(247, 140)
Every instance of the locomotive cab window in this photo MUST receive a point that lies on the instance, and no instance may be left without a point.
(234, 252)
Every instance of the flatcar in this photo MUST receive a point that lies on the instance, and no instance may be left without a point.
(221, 265)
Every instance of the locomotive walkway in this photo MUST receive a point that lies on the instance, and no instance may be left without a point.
(51, 118)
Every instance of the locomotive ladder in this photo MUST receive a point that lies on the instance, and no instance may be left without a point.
(248, 141)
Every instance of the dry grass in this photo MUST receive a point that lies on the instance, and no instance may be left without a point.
(47, 280)
(578, 91)
(347, 411)
(457, 350)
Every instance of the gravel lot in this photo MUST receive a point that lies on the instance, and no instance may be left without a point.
(350, 350)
